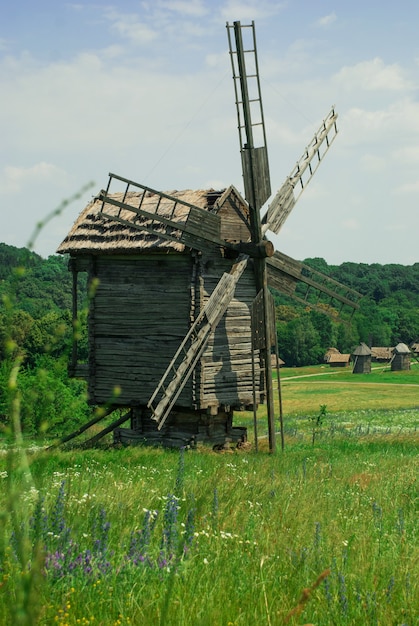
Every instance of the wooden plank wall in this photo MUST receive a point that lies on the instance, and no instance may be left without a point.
(139, 316)
(225, 375)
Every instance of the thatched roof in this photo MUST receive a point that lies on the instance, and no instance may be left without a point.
(401, 348)
(381, 353)
(362, 350)
(338, 358)
(276, 362)
(94, 233)
(329, 352)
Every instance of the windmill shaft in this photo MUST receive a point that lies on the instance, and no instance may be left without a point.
(257, 190)
(260, 250)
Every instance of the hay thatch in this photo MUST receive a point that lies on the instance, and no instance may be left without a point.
(381, 353)
(94, 233)
(362, 350)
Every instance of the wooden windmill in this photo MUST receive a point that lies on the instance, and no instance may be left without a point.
(182, 320)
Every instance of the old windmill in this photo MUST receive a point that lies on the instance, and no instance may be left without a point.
(181, 320)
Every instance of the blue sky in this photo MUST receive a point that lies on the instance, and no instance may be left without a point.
(144, 89)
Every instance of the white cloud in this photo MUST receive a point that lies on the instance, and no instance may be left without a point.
(250, 9)
(326, 20)
(373, 163)
(407, 154)
(128, 26)
(373, 75)
(193, 8)
(14, 179)
(408, 188)
(215, 60)
(382, 141)
(351, 224)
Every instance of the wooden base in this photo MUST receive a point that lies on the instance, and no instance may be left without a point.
(184, 428)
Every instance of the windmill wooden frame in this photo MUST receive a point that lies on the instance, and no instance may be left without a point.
(171, 336)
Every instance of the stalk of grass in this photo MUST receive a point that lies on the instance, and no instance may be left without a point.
(26, 559)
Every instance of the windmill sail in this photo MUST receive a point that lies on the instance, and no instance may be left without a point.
(256, 179)
(193, 345)
(250, 118)
(160, 214)
(285, 274)
(285, 199)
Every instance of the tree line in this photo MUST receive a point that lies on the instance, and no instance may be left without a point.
(36, 328)
(388, 313)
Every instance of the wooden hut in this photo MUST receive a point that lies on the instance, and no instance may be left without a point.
(329, 352)
(381, 354)
(145, 293)
(336, 359)
(401, 358)
(361, 357)
(276, 361)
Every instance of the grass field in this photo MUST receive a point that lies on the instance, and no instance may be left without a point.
(324, 532)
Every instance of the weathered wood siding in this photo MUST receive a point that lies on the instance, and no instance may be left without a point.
(225, 374)
(362, 364)
(138, 317)
(400, 362)
(234, 216)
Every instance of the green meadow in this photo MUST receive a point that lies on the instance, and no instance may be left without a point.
(322, 532)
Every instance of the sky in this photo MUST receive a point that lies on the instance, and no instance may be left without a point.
(144, 89)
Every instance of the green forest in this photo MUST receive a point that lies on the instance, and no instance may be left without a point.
(36, 328)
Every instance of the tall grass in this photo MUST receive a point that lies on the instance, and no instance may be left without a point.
(21, 545)
(323, 534)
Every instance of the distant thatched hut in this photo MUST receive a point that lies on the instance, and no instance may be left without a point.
(338, 359)
(381, 354)
(401, 358)
(361, 357)
(329, 353)
(276, 361)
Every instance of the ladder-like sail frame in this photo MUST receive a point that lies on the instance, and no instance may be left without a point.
(193, 345)
(294, 185)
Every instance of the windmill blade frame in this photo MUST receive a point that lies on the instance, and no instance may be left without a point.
(285, 274)
(194, 343)
(302, 173)
(172, 219)
(256, 180)
(250, 115)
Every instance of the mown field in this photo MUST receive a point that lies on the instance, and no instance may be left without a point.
(323, 532)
